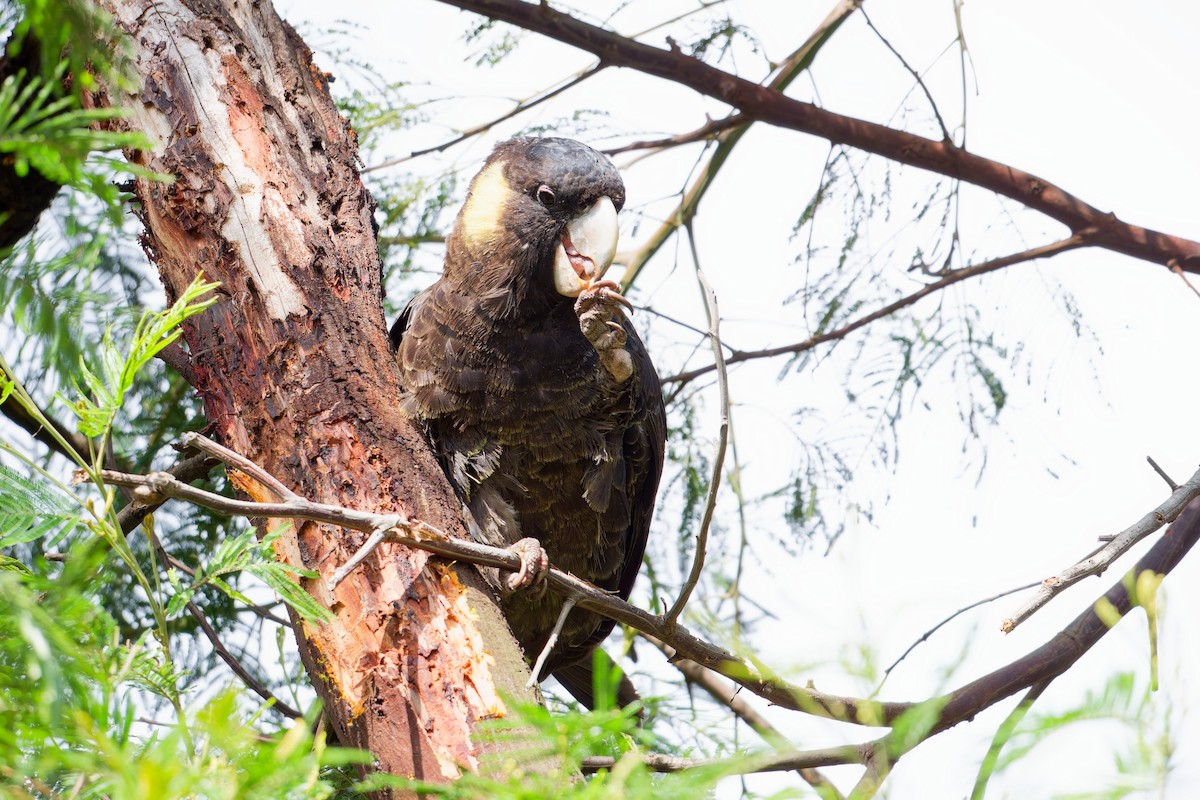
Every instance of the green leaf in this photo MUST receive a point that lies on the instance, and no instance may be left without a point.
(178, 602)
(277, 576)
(244, 553)
(30, 510)
(102, 395)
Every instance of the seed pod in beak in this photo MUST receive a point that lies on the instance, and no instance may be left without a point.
(586, 249)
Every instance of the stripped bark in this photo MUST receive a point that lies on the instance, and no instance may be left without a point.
(295, 371)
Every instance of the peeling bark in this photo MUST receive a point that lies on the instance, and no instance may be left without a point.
(295, 371)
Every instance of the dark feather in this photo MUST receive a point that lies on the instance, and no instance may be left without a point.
(579, 679)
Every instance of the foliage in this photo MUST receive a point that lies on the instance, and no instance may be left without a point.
(72, 686)
(69, 693)
(44, 125)
(493, 42)
(1135, 722)
(559, 743)
(108, 688)
(29, 510)
(102, 392)
(245, 553)
(70, 37)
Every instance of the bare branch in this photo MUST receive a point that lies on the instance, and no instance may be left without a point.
(769, 105)
(1099, 561)
(244, 674)
(950, 278)
(714, 483)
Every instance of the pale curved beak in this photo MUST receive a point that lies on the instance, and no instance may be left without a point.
(586, 249)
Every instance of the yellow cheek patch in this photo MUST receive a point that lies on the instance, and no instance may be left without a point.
(484, 209)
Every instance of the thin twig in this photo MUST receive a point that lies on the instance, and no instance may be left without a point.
(221, 650)
(714, 484)
(521, 106)
(1072, 242)
(916, 76)
(1174, 266)
(925, 636)
(1162, 473)
(536, 669)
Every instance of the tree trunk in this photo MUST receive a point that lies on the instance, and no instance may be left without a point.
(295, 369)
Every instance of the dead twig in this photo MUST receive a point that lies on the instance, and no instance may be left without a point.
(714, 484)
(536, 670)
(1101, 559)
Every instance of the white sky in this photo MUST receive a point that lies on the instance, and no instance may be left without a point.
(1098, 97)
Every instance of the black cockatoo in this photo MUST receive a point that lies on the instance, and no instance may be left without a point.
(536, 391)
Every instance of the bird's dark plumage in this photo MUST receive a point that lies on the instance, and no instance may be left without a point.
(534, 387)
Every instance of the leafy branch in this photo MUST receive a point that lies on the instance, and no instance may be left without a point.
(911, 723)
